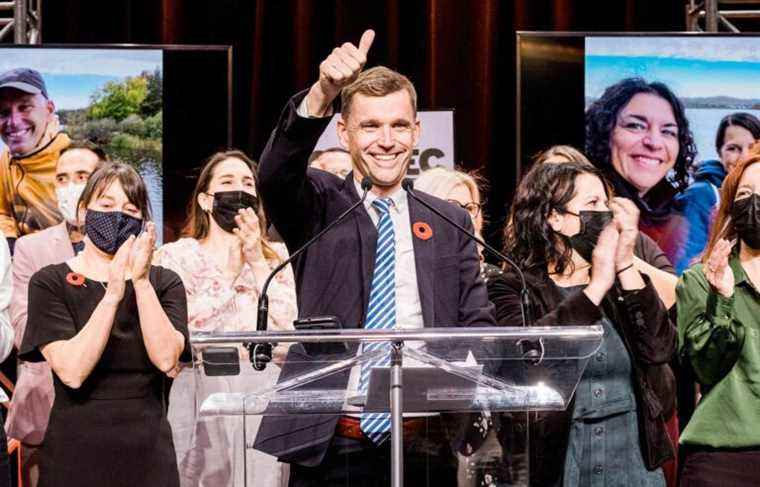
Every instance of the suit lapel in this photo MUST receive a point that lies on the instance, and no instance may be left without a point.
(59, 237)
(367, 238)
(424, 258)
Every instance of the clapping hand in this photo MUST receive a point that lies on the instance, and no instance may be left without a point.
(603, 263)
(339, 69)
(626, 220)
(717, 271)
(117, 271)
(249, 233)
(142, 253)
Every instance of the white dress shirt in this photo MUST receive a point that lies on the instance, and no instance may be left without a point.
(408, 304)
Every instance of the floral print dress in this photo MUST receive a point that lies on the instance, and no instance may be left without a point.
(210, 450)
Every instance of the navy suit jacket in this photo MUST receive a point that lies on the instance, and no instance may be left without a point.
(333, 276)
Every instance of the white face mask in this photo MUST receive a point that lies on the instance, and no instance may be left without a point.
(68, 197)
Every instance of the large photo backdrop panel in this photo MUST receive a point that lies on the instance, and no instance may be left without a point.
(162, 109)
(112, 97)
(666, 116)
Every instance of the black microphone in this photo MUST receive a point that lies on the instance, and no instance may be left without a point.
(525, 308)
(261, 353)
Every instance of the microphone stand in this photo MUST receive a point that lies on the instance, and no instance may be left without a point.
(525, 307)
(261, 353)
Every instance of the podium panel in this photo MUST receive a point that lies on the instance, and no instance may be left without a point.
(484, 380)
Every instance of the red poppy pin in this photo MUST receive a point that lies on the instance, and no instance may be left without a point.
(422, 231)
(75, 279)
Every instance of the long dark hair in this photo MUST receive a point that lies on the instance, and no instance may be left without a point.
(198, 224)
(739, 119)
(528, 236)
(601, 118)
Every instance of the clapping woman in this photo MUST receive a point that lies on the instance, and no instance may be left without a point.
(224, 260)
(575, 245)
(718, 329)
(111, 326)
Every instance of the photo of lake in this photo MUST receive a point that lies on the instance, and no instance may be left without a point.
(704, 122)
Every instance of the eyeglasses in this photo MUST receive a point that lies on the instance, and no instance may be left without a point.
(472, 208)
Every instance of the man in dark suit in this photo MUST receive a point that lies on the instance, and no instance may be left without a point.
(434, 270)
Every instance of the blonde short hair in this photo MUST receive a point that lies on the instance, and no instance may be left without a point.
(566, 152)
(441, 181)
(377, 81)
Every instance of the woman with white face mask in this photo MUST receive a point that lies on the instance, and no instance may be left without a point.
(224, 260)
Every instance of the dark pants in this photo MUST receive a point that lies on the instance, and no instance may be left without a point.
(718, 468)
(428, 462)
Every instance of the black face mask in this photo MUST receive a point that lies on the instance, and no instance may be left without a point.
(108, 230)
(227, 204)
(592, 224)
(746, 217)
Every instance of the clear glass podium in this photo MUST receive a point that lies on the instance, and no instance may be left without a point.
(487, 379)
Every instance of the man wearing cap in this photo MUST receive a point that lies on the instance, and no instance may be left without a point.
(30, 131)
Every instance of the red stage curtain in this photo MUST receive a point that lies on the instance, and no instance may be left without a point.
(459, 53)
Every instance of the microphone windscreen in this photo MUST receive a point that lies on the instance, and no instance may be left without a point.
(407, 184)
(367, 183)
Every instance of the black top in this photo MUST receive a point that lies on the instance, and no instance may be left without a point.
(113, 429)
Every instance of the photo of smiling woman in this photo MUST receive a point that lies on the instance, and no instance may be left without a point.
(224, 260)
(718, 305)
(111, 326)
(638, 134)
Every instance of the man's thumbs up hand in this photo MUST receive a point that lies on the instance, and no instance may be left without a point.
(338, 70)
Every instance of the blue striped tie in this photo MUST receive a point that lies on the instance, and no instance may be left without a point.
(381, 314)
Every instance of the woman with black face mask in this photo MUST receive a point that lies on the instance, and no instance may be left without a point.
(224, 260)
(718, 336)
(111, 326)
(575, 245)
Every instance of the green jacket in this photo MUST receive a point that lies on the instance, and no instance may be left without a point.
(720, 339)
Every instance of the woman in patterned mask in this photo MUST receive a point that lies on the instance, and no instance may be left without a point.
(111, 326)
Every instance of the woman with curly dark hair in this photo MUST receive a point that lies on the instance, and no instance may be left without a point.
(575, 244)
(638, 134)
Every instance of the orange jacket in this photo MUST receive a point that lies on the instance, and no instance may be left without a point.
(27, 192)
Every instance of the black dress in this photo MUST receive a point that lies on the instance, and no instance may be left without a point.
(112, 431)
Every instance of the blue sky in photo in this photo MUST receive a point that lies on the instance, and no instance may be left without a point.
(73, 75)
(692, 67)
